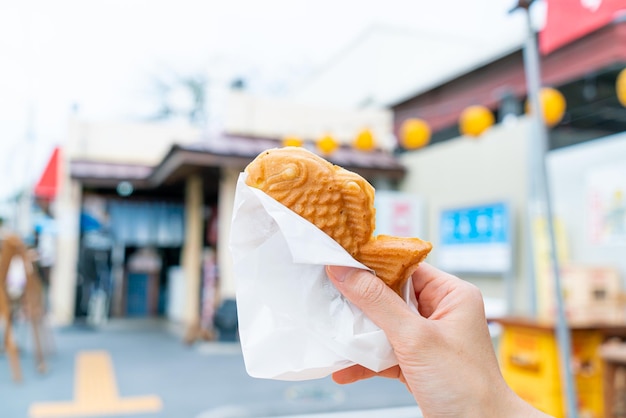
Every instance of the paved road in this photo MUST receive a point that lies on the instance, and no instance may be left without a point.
(143, 370)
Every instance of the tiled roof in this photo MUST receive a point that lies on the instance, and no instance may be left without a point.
(225, 151)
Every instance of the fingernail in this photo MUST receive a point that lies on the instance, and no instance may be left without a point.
(338, 273)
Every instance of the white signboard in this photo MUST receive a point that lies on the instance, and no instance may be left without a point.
(399, 214)
(476, 239)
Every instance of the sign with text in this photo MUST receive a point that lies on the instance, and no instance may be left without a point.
(399, 214)
(476, 239)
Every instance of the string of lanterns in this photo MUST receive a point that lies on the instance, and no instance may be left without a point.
(365, 141)
(292, 141)
(620, 87)
(475, 120)
(552, 106)
(415, 133)
(327, 143)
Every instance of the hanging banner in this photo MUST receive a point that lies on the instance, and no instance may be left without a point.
(476, 239)
(568, 20)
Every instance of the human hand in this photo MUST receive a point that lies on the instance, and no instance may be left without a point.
(445, 354)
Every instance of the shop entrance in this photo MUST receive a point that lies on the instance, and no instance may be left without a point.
(147, 289)
(128, 250)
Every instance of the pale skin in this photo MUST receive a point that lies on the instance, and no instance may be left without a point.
(445, 354)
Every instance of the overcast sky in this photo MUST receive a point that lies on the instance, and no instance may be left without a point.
(104, 55)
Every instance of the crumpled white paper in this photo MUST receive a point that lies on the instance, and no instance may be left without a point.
(293, 323)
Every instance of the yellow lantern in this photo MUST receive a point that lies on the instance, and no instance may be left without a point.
(327, 144)
(552, 105)
(475, 120)
(364, 141)
(620, 87)
(292, 141)
(414, 133)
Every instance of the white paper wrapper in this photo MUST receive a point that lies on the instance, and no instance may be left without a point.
(293, 323)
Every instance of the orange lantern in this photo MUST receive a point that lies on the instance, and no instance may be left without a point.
(475, 120)
(414, 133)
(327, 144)
(365, 141)
(552, 105)
(292, 141)
(620, 87)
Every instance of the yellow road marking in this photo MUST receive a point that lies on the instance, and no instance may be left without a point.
(95, 392)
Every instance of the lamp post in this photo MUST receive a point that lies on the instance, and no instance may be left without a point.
(540, 199)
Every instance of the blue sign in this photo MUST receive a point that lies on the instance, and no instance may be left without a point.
(476, 239)
(476, 225)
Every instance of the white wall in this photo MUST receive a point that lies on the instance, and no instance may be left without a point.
(228, 186)
(465, 172)
(569, 169)
(135, 143)
(63, 274)
(276, 118)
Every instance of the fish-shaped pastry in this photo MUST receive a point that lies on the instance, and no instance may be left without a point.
(340, 203)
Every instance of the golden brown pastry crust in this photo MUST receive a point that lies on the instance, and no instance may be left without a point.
(340, 203)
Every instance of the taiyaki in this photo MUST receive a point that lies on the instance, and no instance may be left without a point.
(340, 203)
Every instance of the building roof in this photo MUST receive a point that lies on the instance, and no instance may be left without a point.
(99, 173)
(591, 61)
(236, 151)
(208, 156)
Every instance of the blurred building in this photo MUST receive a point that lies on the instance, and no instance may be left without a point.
(586, 148)
(144, 210)
(435, 78)
(479, 193)
(102, 192)
(164, 193)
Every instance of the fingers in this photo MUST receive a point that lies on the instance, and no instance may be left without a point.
(442, 294)
(352, 374)
(370, 294)
(357, 372)
(428, 276)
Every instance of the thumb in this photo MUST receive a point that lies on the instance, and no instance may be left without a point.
(370, 294)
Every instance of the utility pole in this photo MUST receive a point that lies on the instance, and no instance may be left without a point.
(541, 200)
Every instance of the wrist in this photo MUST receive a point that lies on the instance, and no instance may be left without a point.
(498, 400)
(515, 407)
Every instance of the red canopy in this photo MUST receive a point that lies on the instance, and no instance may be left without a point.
(48, 184)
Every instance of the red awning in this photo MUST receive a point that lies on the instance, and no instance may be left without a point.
(48, 184)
